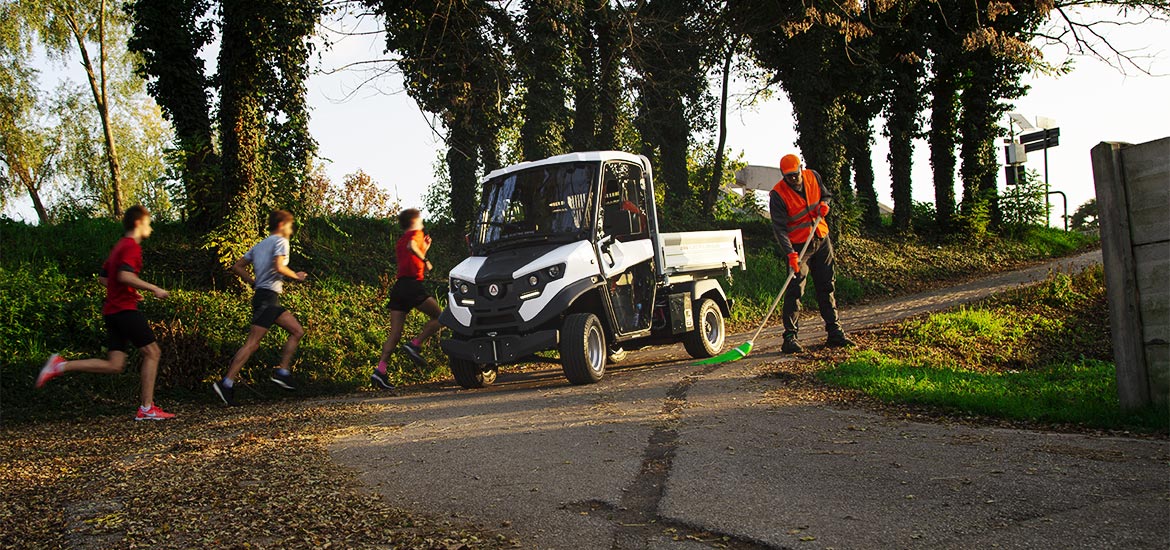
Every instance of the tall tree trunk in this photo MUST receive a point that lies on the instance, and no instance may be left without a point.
(861, 158)
(713, 184)
(544, 65)
(980, 167)
(609, 85)
(29, 181)
(675, 133)
(241, 118)
(101, 100)
(901, 127)
(42, 213)
(818, 123)
(164, 35)
(943, 111)
(461, 167)
(585, 90)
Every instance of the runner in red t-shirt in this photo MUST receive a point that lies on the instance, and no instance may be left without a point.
(124, 323)
(408, 293)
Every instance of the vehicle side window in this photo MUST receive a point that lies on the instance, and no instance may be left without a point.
(623, 202)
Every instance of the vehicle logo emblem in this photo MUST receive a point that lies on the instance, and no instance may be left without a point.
(494, 289)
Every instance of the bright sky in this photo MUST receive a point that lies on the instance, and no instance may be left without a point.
(382, 131)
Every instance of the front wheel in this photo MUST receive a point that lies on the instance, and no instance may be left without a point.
(707, 338)
(583, 350)
(470, 375)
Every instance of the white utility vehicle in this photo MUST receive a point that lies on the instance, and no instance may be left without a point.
(567, 256)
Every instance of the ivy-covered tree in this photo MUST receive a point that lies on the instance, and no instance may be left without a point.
(168, 36)
(668, 57)
(264, 140)
(454, 63)
(543, 62)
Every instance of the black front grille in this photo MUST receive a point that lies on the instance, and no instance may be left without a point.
(505, 290)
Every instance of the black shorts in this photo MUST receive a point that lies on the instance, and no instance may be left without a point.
(407, 294)
(127, 326)
(265, 307)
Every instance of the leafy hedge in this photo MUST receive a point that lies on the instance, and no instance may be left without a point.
(50, 300)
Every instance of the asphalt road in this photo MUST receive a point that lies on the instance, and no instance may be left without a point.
(665, 455)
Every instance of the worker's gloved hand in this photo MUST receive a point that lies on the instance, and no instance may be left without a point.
(823, 209)
(794, 262)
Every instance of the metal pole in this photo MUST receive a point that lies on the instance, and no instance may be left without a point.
(1047, 205)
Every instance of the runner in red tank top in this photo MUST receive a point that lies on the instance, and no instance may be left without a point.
(124, 323)
(408, 293)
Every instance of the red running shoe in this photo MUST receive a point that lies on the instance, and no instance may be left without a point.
(153, 413)
(51, 370)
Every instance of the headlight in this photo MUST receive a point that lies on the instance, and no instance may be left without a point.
(555, 272)
(460, 287)
(536, 281)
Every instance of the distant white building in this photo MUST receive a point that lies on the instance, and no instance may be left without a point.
(756, 178)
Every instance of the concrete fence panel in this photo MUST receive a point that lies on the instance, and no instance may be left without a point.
(1133, 196)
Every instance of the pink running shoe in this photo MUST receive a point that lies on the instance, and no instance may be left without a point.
(51, 370)
(153, 413)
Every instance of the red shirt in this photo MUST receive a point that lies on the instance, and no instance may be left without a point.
(411, 266)
(126, 256)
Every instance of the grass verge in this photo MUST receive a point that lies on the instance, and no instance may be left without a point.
(255, 477)
(1039, 354)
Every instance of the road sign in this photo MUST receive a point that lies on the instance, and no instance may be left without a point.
(1015, 173)
(1052, 141)
(1041, 135)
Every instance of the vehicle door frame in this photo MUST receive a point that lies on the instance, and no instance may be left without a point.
(650, 228)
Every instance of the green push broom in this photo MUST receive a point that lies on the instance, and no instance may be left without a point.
(742, 350)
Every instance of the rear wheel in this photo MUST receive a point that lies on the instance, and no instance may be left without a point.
(707, 338)
(470, 375)
(583, 351)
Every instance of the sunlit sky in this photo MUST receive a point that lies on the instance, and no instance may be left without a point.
(380, 130)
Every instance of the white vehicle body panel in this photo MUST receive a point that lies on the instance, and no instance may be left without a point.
(580, 263)
(701, 251)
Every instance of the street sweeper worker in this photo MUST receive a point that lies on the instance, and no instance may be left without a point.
(796, 203)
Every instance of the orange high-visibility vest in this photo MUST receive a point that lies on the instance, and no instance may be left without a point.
(801, 210)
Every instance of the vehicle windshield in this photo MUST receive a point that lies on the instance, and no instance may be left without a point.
(538, 204)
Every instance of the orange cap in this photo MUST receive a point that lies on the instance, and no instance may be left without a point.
(789, 164)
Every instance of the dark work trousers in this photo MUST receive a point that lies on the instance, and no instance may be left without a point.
(819, 261)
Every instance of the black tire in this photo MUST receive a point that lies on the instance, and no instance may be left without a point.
(470, 375)
(583, 350)
(710, 332)
(617, 356)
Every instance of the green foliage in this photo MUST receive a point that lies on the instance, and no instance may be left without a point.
(50, 302)
(1081, 392)
(1086, 217)
(1024, 204)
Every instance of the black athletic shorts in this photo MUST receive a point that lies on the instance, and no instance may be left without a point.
(407, 294)
(127, 326)
(265, 307)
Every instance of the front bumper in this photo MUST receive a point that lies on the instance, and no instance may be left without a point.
(503, 349)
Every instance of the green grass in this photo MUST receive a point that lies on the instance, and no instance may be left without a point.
(1037, 354)
(1080, 392)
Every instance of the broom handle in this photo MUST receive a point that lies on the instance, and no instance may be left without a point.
(791, 274)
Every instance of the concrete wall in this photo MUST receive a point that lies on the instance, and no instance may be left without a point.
(1133, 195)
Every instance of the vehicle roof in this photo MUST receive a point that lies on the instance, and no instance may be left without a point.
(585, 156)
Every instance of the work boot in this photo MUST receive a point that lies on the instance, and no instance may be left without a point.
(838, 339)
(790, 343)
